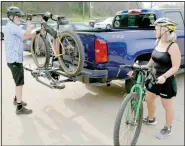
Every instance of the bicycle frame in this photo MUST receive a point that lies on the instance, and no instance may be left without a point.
(54, 44)
(138, 88)
(56, 41)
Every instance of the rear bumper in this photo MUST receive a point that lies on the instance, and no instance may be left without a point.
(95, 77)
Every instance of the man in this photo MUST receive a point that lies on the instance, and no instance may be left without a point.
(13, 39)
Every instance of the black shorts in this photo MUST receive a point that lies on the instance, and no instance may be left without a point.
(166, 90)
(17, 73)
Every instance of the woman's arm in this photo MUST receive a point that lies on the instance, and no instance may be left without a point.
(150, 63)
(175, 54)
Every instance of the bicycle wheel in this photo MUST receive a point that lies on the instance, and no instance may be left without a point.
(71, 53)
(40, 51)
(125, 107)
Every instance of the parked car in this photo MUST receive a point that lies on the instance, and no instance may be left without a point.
(3, 23)
(93, 21)
(131, 38)
(105, 24)
(74, 26)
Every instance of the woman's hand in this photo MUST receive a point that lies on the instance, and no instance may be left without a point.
(130, 73)
(161, 80)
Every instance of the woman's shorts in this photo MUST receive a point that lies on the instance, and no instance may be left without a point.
(166, 90)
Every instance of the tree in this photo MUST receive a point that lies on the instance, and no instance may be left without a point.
(152, 4)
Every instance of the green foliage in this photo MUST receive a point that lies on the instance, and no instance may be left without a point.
(173, 5)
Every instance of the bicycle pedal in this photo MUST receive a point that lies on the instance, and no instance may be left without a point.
(59, 86)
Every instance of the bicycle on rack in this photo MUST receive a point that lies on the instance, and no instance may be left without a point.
(64, 45)
(132, 106)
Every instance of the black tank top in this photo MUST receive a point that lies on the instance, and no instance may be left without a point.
(162, 61)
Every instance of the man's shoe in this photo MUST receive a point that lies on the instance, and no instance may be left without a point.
(23, 111)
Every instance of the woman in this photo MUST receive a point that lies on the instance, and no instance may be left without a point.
(166, 59)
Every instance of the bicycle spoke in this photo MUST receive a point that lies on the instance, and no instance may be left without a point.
(129, 131)
(70, 57)
(127, 125)
(39, 50)
(123, 138)
(69, 43)
(128, 134)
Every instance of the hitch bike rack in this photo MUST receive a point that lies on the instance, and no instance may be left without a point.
(51, 74)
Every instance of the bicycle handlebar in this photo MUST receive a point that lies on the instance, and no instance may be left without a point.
(46, 14)
(139, 67)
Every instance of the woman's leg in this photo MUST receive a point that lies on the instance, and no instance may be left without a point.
(169, 111)
(150, 100)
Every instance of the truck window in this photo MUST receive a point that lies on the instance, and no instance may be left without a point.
(134, 20)
(4, 22)
(177, 17)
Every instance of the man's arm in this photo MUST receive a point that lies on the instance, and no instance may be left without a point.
(23, 34)
(27, 34)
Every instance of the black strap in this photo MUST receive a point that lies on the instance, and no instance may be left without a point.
(169, 46)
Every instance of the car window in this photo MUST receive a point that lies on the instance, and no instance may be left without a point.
(4, 22)
(177, 17)
(82, 27)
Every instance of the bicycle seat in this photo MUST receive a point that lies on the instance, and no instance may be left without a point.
(60, 16)
(61, 20)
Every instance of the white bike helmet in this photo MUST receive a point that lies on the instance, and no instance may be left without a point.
(166, 22)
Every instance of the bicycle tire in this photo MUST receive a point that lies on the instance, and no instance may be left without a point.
(47, 52)
(119, 119)
(80, 51)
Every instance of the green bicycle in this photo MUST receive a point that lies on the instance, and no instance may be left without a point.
(132, 106)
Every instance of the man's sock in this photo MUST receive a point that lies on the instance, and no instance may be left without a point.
(15, 99)
(19, 106)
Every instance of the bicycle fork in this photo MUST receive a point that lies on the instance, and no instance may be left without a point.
(138, 101)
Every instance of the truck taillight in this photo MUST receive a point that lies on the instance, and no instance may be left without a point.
(101, 51)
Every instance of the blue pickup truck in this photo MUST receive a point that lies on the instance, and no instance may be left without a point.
(131, 38)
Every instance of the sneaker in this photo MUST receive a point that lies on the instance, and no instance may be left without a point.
(23, 110)
(149, 122)
(23, 103)
(165, 132)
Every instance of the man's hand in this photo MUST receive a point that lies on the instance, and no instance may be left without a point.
(28, 25)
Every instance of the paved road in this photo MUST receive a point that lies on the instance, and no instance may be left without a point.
(78, 114)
